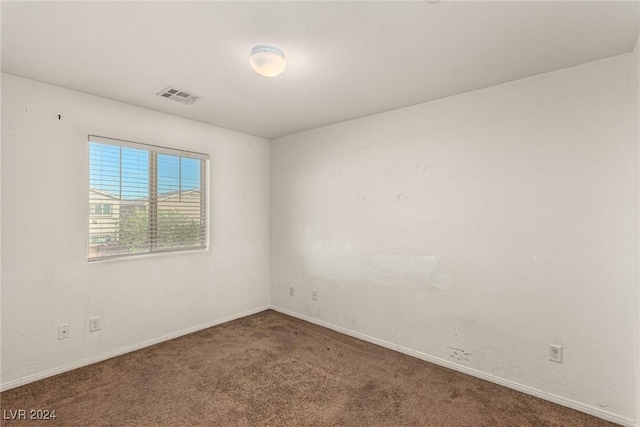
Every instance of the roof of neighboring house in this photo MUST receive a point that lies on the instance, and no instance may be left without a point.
(173, 194)
(103, 193)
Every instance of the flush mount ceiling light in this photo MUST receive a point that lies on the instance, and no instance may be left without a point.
(267, 61)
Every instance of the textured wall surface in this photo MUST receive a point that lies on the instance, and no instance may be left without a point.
(476, 229)
(46, 279)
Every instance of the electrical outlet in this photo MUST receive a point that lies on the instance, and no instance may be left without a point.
(292, 290)
(63, 331)
(555, 353)
(94, 324)
(314, 295)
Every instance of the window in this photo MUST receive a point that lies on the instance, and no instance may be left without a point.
(145, 199)
(100, 209)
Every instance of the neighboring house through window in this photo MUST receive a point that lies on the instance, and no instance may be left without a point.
(100, 208)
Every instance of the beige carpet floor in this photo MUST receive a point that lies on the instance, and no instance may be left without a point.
(273, 370)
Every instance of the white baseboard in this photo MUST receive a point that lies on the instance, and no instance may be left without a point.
(94, 359)
(597, 412)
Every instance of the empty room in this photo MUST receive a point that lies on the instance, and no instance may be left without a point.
(420, 213)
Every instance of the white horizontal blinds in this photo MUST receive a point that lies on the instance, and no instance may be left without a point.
(180, 198)
(144, 199)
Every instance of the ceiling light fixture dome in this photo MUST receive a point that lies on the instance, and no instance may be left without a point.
(267, 61)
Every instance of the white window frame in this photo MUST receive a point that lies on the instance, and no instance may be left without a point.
(153, 200)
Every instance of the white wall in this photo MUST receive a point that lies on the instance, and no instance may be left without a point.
(476, 230)
(636, 55)
(46, 279)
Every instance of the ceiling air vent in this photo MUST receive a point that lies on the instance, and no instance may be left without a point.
(177, 95)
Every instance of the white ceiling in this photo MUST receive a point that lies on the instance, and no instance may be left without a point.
(345, 60)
